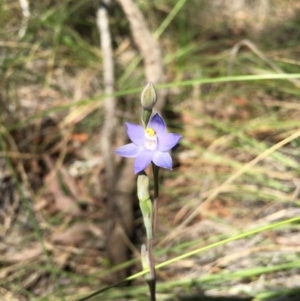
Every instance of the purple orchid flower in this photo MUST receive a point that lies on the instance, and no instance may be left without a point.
(150, 144)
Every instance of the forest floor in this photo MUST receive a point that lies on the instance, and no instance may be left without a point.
(229, 210)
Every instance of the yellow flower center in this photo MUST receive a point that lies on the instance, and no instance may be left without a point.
(150, 132)
(150, 139)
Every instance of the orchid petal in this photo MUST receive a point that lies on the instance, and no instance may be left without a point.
(158, 124)
(135, 133)
(163, 160)
(167, 141)
(129, 150)
(143, 159)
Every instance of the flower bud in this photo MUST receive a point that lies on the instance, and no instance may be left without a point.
(145, 257)
(148, 97)
(145, 260)
(145, 202)
(143, 187)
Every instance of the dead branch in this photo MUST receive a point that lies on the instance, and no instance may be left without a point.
(119, 206)
(148, 47)
(109, 82)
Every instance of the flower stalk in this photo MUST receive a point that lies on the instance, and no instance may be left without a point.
(149, 144)
(147, 212)
(155, 170)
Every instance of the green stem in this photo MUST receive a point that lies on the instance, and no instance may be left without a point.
(152, 280)
(156, 195)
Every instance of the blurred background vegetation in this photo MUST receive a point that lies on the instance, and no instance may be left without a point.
(237, 167)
